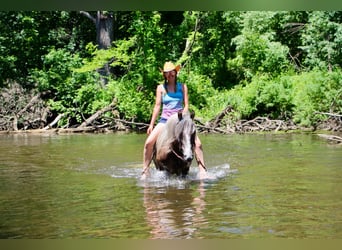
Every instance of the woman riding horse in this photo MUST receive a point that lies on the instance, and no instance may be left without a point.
(173, 97)
(174, 148)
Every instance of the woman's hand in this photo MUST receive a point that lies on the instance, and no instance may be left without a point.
(149, 130)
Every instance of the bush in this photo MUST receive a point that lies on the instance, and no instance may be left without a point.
(134, 103)
(288, 96)
(76, 95)
(258, 54)
(199, 88)
(316, 91)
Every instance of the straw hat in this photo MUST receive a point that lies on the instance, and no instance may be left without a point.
(169, 66)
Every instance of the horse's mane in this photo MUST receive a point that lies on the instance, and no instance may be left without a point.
(175, 126)
(183, 119)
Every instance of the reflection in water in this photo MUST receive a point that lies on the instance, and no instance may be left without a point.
(174, 213)
(85, 186)
(175, 206)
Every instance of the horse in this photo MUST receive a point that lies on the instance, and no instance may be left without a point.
(174, 147)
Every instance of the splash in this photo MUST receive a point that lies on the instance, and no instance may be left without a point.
(158, 178)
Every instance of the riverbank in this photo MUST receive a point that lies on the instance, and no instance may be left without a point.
(330, 130)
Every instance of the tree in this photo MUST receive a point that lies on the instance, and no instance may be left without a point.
(257, 50)
(211, 36)
(104, 27)
(322, 40)
(104, 36)
(26, 36)
(288, 26)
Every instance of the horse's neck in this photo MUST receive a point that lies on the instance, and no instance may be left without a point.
(171, 126)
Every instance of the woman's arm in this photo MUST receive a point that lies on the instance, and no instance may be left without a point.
(156, 109)
(185, 98)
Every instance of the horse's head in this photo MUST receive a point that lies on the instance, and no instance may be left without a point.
(185, 134)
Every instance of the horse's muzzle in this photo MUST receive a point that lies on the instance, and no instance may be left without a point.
(189, 158)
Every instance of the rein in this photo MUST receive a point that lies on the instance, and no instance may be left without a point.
(180, 157)
(198, 161)
(176, 154)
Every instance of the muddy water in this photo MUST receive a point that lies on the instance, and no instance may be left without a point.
(87, 186)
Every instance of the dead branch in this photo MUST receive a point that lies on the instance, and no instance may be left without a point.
(33, 100)
(50, 125)
(97, 115)
(333, 138)
(203, 128)
(217, 120)
(186, 55)
(132, 123)
(329, 114)
(86, 14)
(21, 109)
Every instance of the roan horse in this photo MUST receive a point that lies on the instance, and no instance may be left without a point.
(174, 148)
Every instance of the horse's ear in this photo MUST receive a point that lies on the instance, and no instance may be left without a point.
(180, 115)
(192, 114)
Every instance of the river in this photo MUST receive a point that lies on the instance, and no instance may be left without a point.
(87, 186)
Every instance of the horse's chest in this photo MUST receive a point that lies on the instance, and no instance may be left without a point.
(173, 164)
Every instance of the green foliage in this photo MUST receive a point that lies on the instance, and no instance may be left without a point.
(241, 59)
(76, 95)
(57, 67)
(274, 99)
(288, 96)
(150, 52)
(199, 87)
(133, 103)
(322, 40)
(316, 91)
(257, 53)
(213, 45)
(27, 36)
(120, 52)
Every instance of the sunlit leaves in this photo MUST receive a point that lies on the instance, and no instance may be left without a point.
(120, 54)
(322, 40)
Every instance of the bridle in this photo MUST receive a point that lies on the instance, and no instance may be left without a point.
(178, 156)
(175, 153)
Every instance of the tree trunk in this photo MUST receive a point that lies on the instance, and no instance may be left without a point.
(104, 37)
(104, 29)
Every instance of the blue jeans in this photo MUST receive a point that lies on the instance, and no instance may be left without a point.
(162, 120)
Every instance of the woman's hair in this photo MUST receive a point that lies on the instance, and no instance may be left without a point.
(165, 81)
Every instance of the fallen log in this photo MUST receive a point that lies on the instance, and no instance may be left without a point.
(217, 120)
(332, 123)
(333, 138)
(56, 131)
(50, 125)
(329, 114)
(99, 113)
(212, 129)
(33, 100)
(132, 123)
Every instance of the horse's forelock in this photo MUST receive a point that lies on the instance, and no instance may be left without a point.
(184, 126)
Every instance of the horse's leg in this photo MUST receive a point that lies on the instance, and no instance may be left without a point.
(185, 171)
